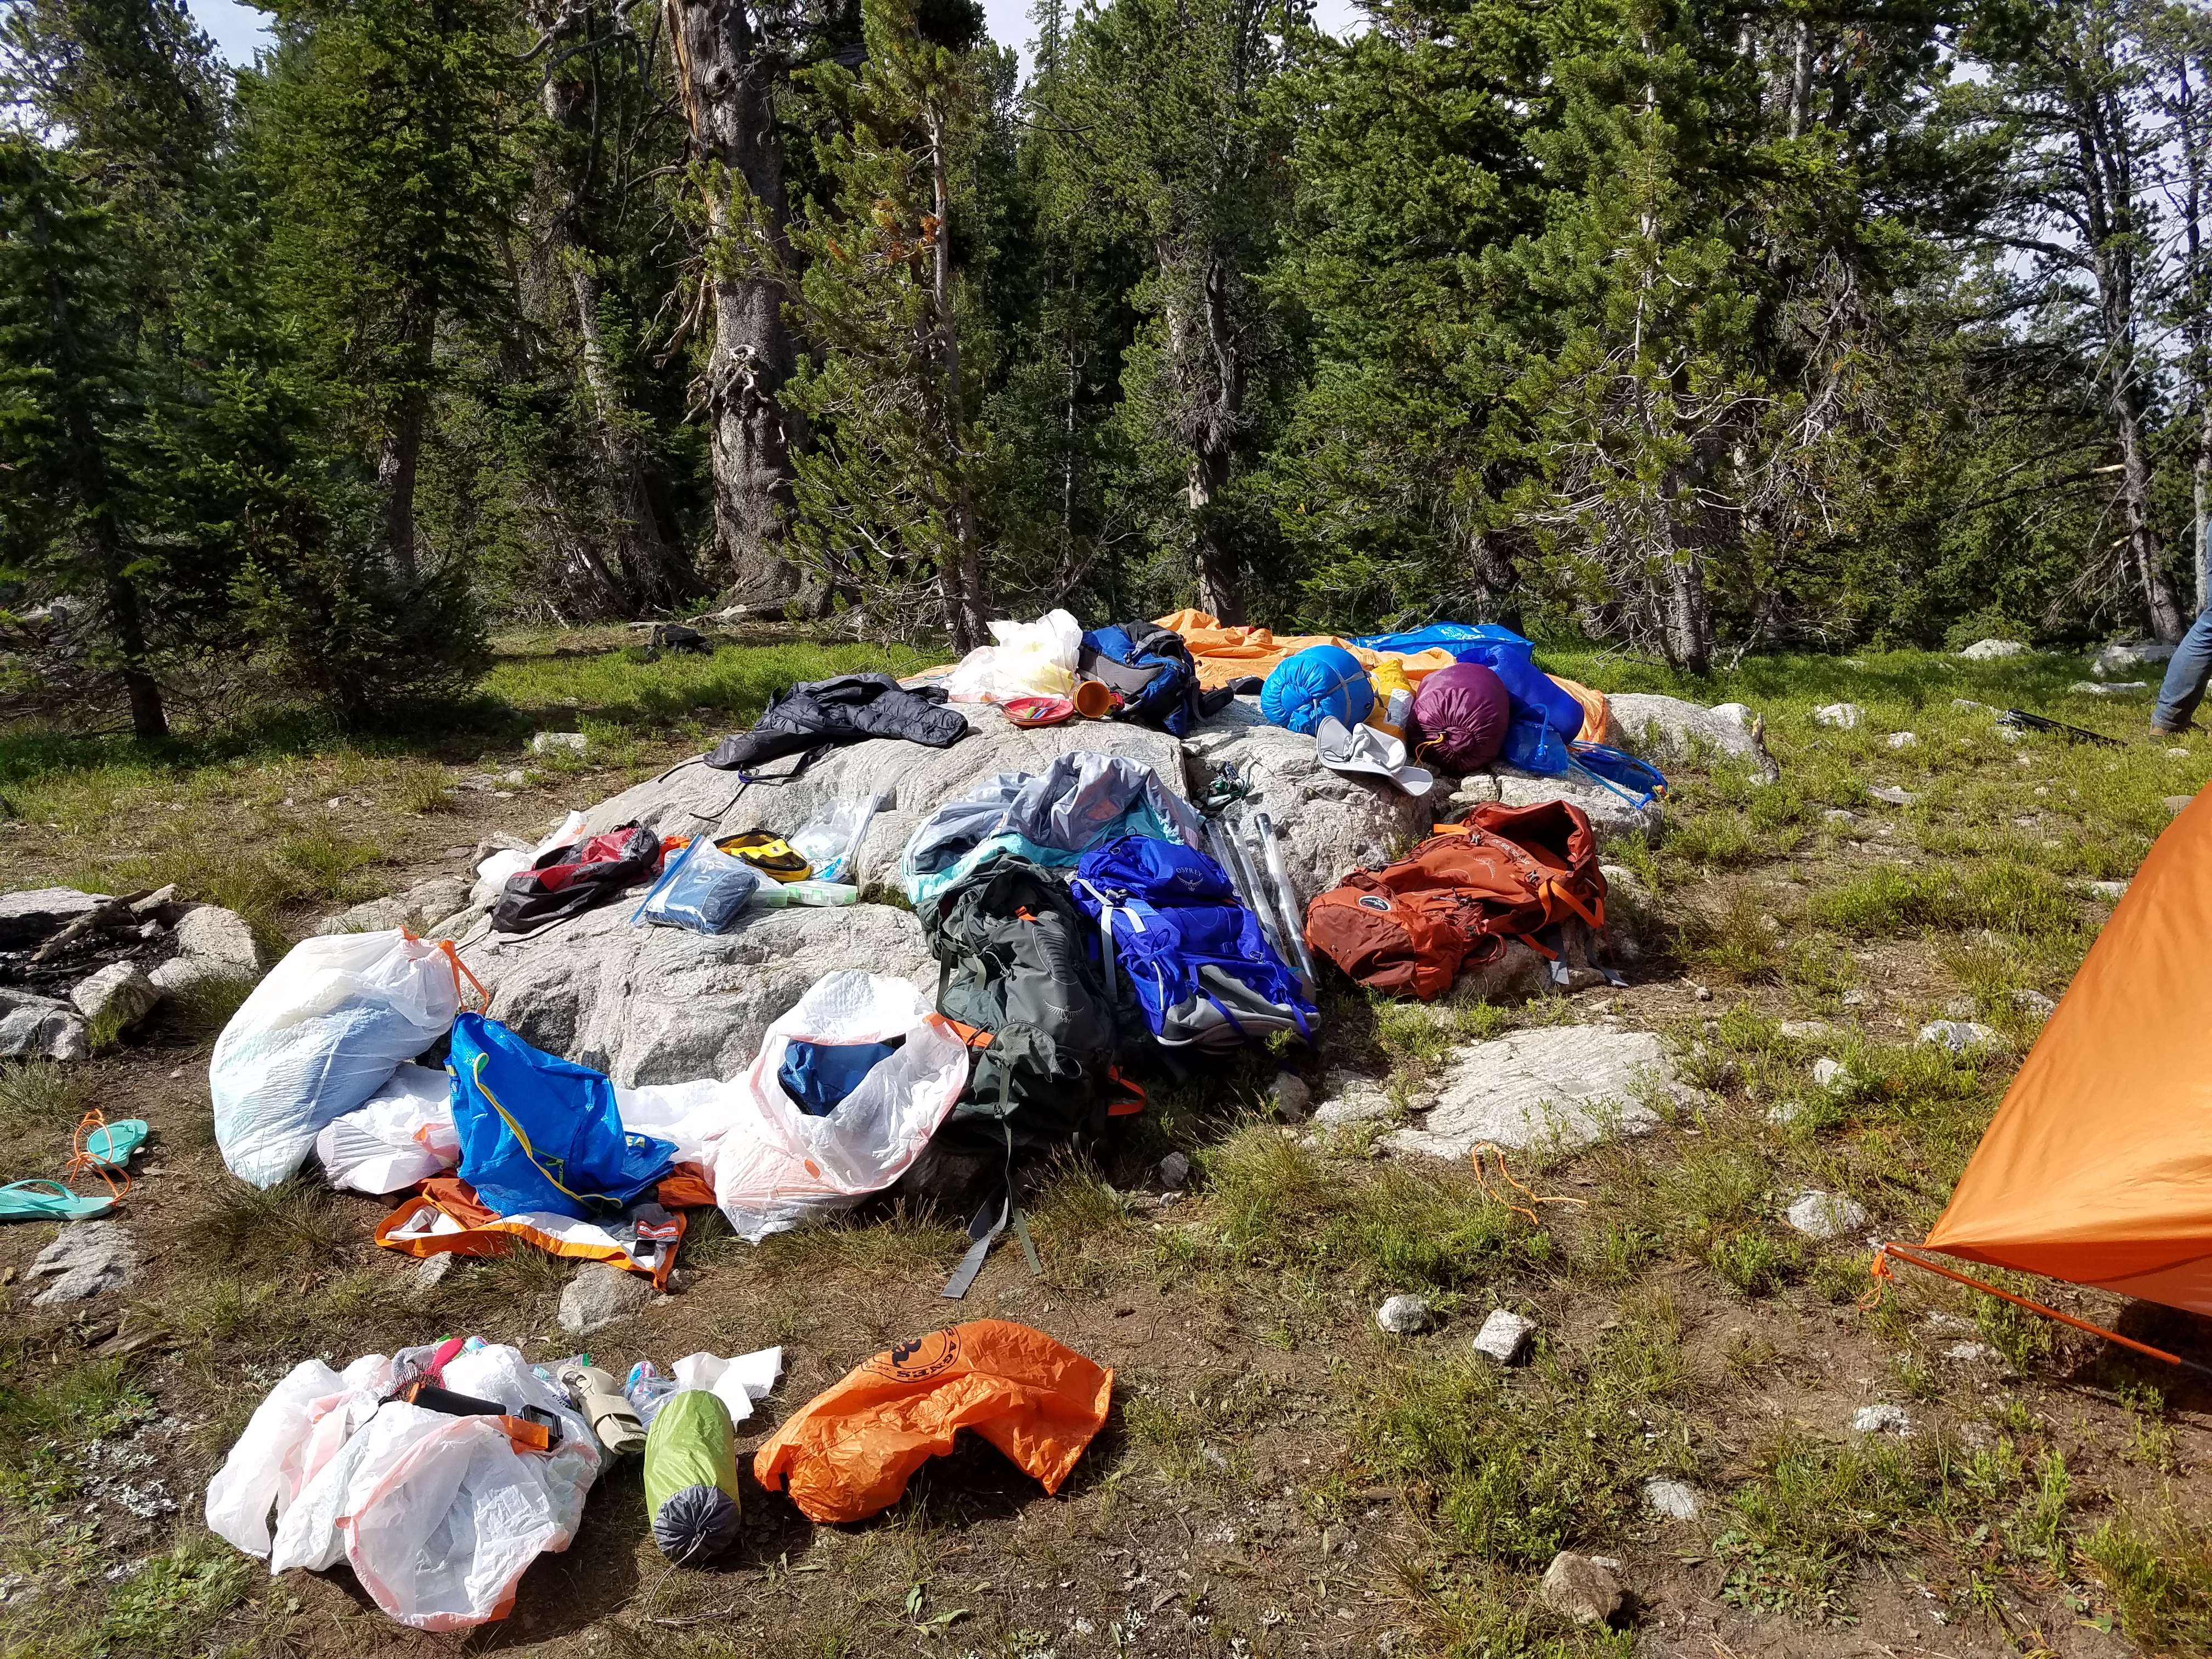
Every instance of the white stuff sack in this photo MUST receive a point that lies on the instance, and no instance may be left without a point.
(319, 1035)
(776, 1167)
(401, 1134)
(1028, 660)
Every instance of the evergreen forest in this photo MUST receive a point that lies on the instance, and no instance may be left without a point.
(1689, 327)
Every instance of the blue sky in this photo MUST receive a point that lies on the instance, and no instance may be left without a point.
(239, 30)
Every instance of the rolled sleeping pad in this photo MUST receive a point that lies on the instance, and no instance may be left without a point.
(691, 1478)
(1320, 681)
(1462, 713)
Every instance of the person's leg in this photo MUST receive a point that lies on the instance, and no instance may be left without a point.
(2182, 689)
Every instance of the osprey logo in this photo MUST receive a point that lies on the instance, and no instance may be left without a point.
(1373, 901)
(1189, 875)
(924, 1357)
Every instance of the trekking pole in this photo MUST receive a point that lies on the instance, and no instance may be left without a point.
(2021, 720)
(1230, 858)
(1285, 895)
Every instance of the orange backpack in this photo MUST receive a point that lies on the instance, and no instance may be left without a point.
(1506, 872)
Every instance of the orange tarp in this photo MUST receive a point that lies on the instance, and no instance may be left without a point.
(849, 1452)
(1226, 654)
(2098, 1167)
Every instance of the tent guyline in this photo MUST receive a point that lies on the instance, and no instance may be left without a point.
(1883, 1277)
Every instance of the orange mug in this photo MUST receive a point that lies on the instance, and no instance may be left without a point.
(1094, 699)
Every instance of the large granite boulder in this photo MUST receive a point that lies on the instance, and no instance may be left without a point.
(1667, 730)
(658, 1005)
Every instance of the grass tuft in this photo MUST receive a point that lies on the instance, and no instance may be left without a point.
(38, 1094)
(295, 1223)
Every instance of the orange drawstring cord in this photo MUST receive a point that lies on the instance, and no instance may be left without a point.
(1903, 1253)
(83, 1163)
(453, 958)
(1482, 1179)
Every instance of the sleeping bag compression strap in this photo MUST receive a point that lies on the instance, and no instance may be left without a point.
(982, 1230)
(1907, 1252)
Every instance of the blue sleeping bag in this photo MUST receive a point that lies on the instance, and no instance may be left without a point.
(539, 1133)
(1320, 682)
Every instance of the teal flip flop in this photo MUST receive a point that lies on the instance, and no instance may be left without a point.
(21, 1200)
(113, 1144)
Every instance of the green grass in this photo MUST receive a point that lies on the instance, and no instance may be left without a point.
(288, 1228)
(36, 1094)
(2157, 1567)
(170, 1604)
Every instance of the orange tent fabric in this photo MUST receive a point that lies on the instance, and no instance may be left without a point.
(849, 1451)
(2098, 1167)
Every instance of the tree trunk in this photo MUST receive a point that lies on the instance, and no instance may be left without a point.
(961, 577)
(2198, 327)
(1209, 375)
(655, 572)
(396, 459)
(88, 462)
(724, 78)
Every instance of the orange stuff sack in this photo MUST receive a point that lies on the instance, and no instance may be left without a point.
(850, 1450)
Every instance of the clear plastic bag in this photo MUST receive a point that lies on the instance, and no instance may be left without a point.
(825, 843)
(777, 1168)
(321, 1034)
(1036, 658)
(782, 895)
(704, 888)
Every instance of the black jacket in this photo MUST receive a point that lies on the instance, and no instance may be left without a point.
(820, 714)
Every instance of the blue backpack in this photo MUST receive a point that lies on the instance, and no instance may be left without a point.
(1191, 952)
(1150, 668)
(539, 1133)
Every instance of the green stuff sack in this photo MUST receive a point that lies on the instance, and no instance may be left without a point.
(691, 1477)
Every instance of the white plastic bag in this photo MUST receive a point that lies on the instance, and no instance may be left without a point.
(689, 1115)
(492, 873)
(319, 1035)
(401, 1134)
(735, 1383)
(777, 1168)
(439, 1515)
(1028, 660)
(263, 1469)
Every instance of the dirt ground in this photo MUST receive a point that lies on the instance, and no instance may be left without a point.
(1278, 1475)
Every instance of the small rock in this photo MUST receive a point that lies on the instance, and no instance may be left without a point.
(1825, 1215)
(2110, 689)
(432, 1270)
(1703, 995)
(1174, 1170)
(1881, 1419)
(1855, 998)
(600, 1295)
(2178, 804)
(1504, 1336)
(2014, 734)
(1983, 650)
(549, 743)
(1290, 1097)
(2177, 753)
(88, 1259)
(2034, 1003)
(1903, 740)
(119, 992)
(1893, 795)
(1829, 1073)
(1783, 1113)
(1843, 715)
(1402, 1315)
(209, 931)
(514, 778)
(162, 896)
(1972, 1353)
(1807, 1031)
(1476, 789)
(1585, 1592)
(1671, 1499)
(1838, 815)
(40, 1028)
(1959, 1036)
(180, 975)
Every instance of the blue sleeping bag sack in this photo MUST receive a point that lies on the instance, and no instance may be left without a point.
(1320, 682)
(539, 1133)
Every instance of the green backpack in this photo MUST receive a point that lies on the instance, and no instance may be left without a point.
(1019, 962)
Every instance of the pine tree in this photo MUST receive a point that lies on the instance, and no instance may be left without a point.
(887, 497)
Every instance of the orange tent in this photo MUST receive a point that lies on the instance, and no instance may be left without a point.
(2098, 1167)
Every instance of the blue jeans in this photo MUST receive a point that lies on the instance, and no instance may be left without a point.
(2183, 688)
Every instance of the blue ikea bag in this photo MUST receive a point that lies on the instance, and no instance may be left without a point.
(1450, 635)
(1192, 953)
(1320, 681)
(539, 1133)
